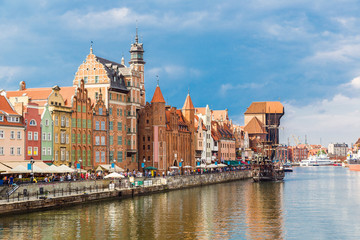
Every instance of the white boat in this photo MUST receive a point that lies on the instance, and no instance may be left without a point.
(321, 160)
(287, 167)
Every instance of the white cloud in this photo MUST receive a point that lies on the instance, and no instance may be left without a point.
(8, 74)
(355, 83)
(169, 72)
(332, 120)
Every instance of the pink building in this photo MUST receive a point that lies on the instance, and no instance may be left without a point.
(11, 132)
(226, 143)
(32, 132)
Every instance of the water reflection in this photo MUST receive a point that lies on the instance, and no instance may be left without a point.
(312, 203)
(264, 212)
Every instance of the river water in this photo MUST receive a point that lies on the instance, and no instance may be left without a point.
(311, 203)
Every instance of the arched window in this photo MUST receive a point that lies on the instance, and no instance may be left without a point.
(32, 122)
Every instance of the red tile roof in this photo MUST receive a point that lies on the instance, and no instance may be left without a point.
(6, 109)
(255, 127)
(265, 107)
(200, 110)
(158, 97)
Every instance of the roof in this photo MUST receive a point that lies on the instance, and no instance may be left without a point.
(255, 127)
(5, 107)
(188, 105)
(67, 93)
(201, 111)
(158, 97)
(220, 114)
(265, 107)
(117, 84)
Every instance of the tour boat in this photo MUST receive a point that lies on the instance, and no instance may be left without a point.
(287, 167)
(321, 160)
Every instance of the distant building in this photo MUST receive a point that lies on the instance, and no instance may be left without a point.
(338, 149)
(297, 153)
(282, 153)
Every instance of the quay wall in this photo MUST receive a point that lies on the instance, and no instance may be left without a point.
(162, 185)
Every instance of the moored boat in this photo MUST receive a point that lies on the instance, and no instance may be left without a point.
(287, 167)
(353, 161)
(321, 160)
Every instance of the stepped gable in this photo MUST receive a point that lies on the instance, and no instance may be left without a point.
(265, 107)
(255, 127)
(188, 105)
(158, 97)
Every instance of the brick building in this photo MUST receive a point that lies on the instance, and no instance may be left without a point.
(282, 153)
(81, 128)
(297, 153)
(100, 133)
(165, 138)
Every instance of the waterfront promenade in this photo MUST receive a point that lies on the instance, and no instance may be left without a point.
(43, 195)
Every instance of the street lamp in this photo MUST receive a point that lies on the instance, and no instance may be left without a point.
(32, 165)
(181, 164)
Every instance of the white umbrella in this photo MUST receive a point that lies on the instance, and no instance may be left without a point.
(19, 169)
(114, 175)
(222, 165)
(211, 166)
(174, 167)
(201, 166)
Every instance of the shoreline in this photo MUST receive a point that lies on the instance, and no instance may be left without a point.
(120, 192)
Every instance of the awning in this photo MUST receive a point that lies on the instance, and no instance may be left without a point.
(150, 168)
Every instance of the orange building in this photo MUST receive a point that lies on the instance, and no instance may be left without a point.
(81, 130)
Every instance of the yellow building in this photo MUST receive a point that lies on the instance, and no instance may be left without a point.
(61, 116)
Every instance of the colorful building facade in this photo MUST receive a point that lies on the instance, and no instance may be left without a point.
(32, 132)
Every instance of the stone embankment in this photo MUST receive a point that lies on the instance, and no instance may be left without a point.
(59, 194)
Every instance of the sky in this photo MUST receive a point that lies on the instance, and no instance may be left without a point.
(226, 53)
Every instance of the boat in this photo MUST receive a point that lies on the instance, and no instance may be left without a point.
(263, 169)
(287, 167)
(321, 160)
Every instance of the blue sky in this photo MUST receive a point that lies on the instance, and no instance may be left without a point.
(228, 53)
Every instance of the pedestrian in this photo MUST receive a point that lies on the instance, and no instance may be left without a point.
(163, 174)
(11, 180)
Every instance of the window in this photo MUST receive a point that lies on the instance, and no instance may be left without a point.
(44, 136)
(73, 138)
(47, 122)
(85, 79)
(100, 111)
(35, 151)
(148, 147)
(97, 156)
(97, 140)
(62, 137)
(111, 140)
(32, 122)
(12, 151)
(96, 79)
(1, 134)
(97, 125)
(62, 154)
(102, 156)
(56, 155)
(44, 151)
(1, 150)
(73, 122)
(119, 126)
(89, 123)
(67, 155)
(110, 96)
(29, 151)
(110, 125)
(84, 109)
(79, 123)
(103, 140)
(29, 136)
(1, 118)
(110, 111)
(119, 156)
(49, 151)
(111, 157)
(103, 125)
(89, 139)
(56, 120)
(119, 140)
(18, 151)
(12, 135)
(78, 138)
(67, 138)
(84, 139)
(84, 123)
(67, 122)
(36, 137)
(56, 138)
(49, 136)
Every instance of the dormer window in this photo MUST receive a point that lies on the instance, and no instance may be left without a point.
(1, 118)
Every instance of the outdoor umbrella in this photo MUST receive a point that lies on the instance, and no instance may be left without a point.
(114, 175)
(150, 168)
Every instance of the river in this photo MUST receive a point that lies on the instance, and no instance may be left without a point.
(311, 203)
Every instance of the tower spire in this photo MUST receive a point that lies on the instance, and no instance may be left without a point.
(136, 37)
(91, 49)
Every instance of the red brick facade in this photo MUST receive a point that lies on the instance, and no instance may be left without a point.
(32, 132)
